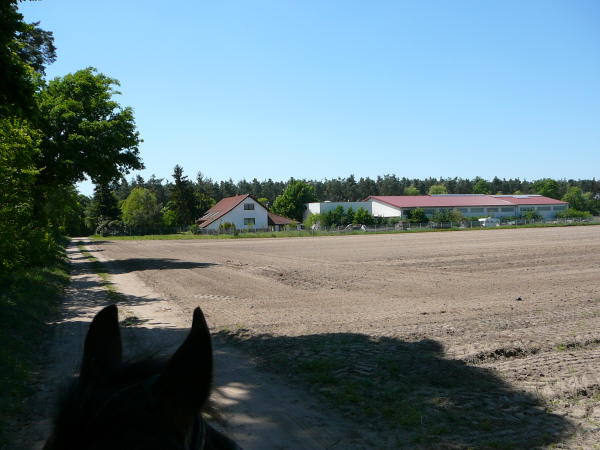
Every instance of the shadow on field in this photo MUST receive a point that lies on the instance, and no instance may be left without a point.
(119, 266)
(407, 392)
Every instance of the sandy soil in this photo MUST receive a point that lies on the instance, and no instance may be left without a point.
(524, 303)
(517, 309)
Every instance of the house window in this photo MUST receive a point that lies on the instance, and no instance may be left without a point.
(249, 220)
(476, 210)
(544, 208)
(429, 211)
(492, 210)
(509, 209)
(558, 208)
(248, 206)
(463, 210)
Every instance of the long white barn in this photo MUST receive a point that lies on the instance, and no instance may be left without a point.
(470, 205)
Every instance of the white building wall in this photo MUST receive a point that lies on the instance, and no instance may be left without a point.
(384, 210)
(238, 214)
(323, 207)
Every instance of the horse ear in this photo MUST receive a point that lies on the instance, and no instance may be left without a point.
(102, 351)
(185, 383)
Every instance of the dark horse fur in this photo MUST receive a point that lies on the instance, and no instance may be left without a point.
(146, 405)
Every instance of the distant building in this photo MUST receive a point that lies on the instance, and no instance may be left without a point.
(470, 205)
(244, 212)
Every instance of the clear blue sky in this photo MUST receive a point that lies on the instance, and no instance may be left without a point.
(321, 89)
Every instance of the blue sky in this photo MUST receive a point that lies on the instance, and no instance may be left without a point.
(321, 89)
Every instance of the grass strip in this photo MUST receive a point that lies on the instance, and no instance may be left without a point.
(27, 299)
(101, 271)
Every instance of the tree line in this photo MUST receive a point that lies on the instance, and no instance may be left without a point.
(156, 204)
(53, 133)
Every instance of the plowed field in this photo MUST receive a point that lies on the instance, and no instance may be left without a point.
(482, 338)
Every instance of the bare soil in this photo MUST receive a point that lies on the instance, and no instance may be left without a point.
(485, 339)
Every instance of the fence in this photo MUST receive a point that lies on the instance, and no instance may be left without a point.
(464, 224)
(381, 228)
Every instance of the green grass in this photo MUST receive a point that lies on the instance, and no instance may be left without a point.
(27, 299)
(307, 233)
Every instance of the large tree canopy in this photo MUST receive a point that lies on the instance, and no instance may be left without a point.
(85, 132)
(291, 202)
(25, 50)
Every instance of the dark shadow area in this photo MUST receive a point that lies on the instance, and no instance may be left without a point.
(119, 266)
(407, 392)
(95, 242)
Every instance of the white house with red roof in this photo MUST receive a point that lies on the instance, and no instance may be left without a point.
(470, 205)
(244, 212)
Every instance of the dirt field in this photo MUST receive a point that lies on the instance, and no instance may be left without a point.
(485, 338)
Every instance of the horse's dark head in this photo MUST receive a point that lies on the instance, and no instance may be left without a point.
(145, 405)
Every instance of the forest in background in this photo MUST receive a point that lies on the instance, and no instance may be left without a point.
(161, 205)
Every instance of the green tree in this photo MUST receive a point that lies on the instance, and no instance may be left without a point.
(417, 215)
(103, 206)
(18, 151)
(362, 217)
(25, 49)
(140, 211)
(348, 217)
(576, 199)
(291, 202)
(85, 131)
(411, 190)
(547, 187)
(438, 189)
(481, 187)
(183, 200)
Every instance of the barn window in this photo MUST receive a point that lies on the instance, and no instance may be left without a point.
(249, 220)
(248, 206)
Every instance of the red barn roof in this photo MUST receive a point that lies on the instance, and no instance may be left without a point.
(227, 204)
(461, 200)
(275, 219)
(220, 209)
(530, 200)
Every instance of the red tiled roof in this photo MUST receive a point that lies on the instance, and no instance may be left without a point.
(530, 200)
(438, 201)
(460, 200)
(274, 219)
(220, 209)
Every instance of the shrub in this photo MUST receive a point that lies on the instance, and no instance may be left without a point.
(573, 213)
(531, 215)
(227, 227)
(111, 228)
(312, 219)
(417, 215)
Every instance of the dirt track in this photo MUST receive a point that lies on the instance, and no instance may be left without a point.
(520, 307)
